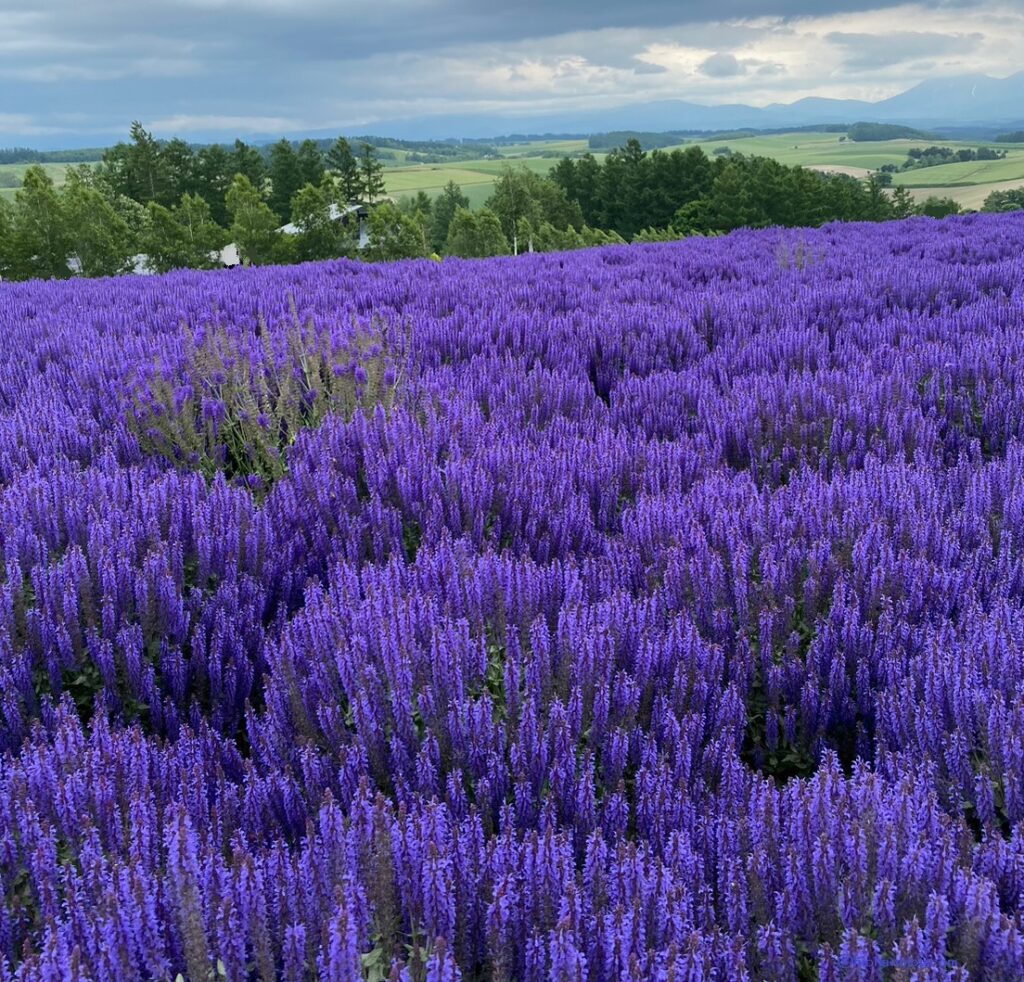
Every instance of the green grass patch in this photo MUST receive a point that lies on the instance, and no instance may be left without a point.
(543, 146)
(11, 173)
(967, 173)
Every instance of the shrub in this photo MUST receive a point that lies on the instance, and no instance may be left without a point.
(239, 401)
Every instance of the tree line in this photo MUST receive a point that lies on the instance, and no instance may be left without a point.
(880, 132)
(1003, 201)
(178, 206)
(147, 171)
(919, 157)
(686, 192)
(25, 155)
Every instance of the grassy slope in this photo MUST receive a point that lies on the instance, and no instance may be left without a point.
(476, 177)
(56, 171)
(812, 149)
(970, 173)
(969, 197)
(968, 183)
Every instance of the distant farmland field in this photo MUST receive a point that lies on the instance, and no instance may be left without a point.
(813, 149)
(972, 197)
(477, 177)
(11, 175)
(968, 183)
(965, 174)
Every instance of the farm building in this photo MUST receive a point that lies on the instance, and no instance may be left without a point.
(229, 255)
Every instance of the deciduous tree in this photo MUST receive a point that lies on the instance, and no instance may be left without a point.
(520, 195)
(254, 226)
(474, 235)
(319, 236)
(6, 239)
(999, 201)
(395, 235)
(98, 237)
(937, 207)
(183, 237)
(40, 242)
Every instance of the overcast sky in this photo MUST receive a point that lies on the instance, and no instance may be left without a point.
(88, 67)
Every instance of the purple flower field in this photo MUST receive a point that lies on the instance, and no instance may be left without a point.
(649, 612)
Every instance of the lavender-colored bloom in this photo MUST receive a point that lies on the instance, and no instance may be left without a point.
(669, 624)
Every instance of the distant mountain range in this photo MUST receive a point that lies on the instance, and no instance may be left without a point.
(963, 106)
(958, 102)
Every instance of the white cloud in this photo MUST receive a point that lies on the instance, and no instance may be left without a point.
(186, 123)
(723, 64)
(21, 124)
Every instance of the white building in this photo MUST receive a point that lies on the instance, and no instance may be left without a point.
(229, 255)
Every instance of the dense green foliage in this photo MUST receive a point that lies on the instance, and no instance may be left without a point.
(619, 138)
(395, 234)
(97, 236)
(523, 201)
(253, 223)
(689, 192)
(285, 178)
(876, 132)
(930, 156)
(1017, 136)
(1012, 200)
(936, 207)
(39, 241)
(6, 240)
(371, 173)
(183, 237)
(450, 200)
(342, 161)
(319, 235)
(177, 207)
(475, 235)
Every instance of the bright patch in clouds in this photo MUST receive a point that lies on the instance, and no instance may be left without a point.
(241, 124)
